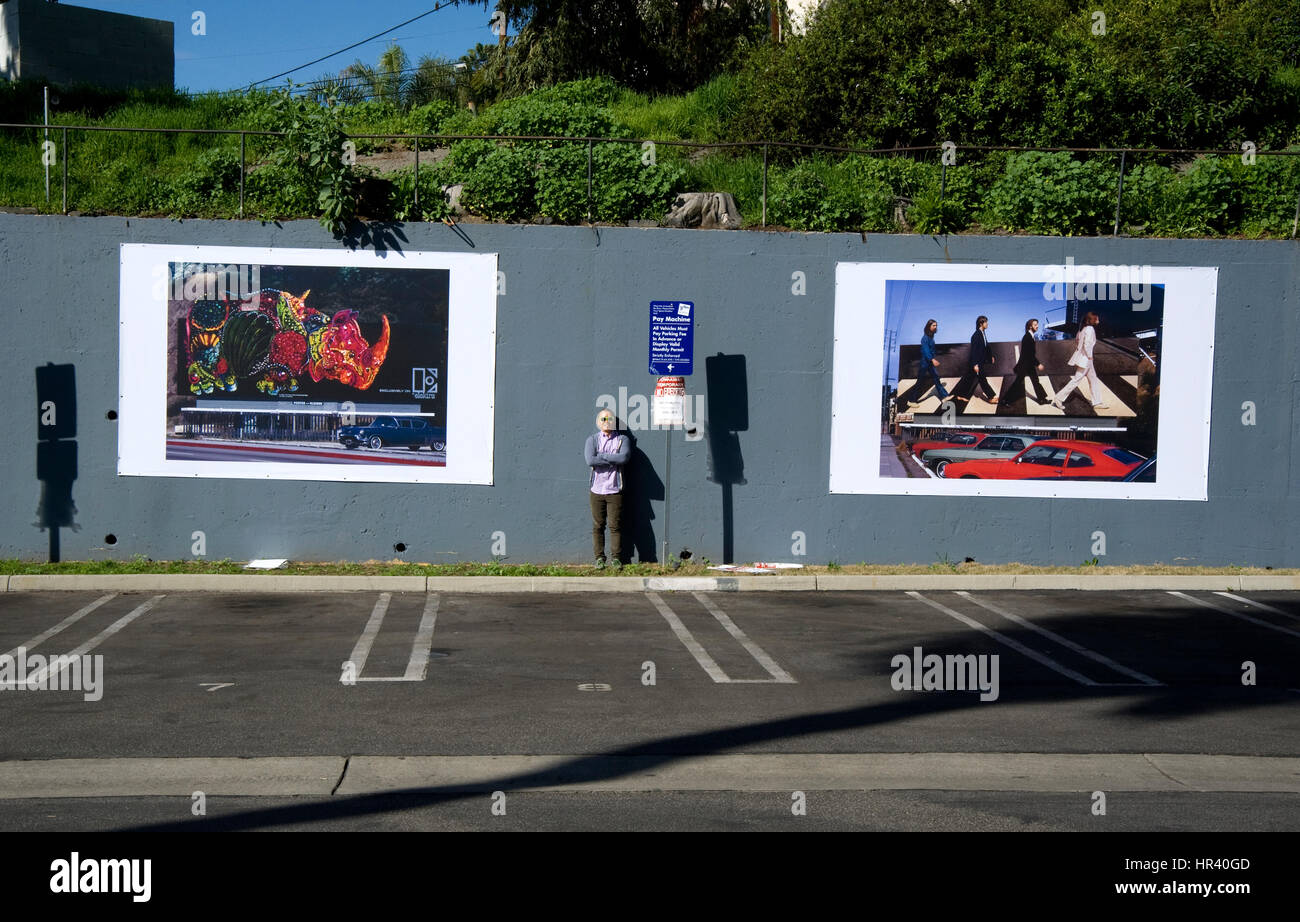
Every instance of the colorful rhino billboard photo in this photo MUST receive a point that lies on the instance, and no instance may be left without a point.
(282, 367)
(1019, 380)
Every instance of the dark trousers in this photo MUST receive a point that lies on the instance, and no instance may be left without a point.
(1017, 388)
(604, 507)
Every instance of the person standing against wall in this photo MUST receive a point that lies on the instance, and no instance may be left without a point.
(606, 452)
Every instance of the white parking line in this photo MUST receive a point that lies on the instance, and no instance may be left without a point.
(1010, 642)
(367, 639)
(39, 676)
(775, 671)
(1234, 614)
(418, 667)
(1064, 641)
(1259, 605)
(65, 623)
(688, 640)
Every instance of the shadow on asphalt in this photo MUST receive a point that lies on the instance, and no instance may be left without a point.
(1209, 683)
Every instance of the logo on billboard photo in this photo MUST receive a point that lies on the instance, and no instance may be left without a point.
(424, 382)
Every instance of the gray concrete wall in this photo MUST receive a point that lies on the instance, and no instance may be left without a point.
(59, 303)
(62, 44)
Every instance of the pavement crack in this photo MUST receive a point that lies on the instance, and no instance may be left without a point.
(347, 760)
(1144, 755)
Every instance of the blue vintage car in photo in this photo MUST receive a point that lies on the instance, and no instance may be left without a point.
(395, 432)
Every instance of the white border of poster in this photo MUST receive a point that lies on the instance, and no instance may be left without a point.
(1185, 382)
(143, 361)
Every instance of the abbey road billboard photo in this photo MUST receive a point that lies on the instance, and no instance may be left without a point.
(307, 364)
(1067, 380)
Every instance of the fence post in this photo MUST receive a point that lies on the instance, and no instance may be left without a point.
(1297, 218)
(65, 171)
(765, 185)
(241, 174)
(589, 217)
(943, 182)
(1119, 193)
(417, 178)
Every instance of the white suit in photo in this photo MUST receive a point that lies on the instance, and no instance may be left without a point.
(1084, 367)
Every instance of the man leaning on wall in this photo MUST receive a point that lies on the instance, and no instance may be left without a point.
(606, 452)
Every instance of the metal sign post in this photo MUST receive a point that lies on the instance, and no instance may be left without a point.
(672, 355)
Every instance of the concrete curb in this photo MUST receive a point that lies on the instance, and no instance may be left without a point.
(167, 582)
(286, 776)
(501, 584)
(318, 776)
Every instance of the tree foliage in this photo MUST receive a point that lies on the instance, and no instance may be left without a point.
(647, 45)
(1170, 73)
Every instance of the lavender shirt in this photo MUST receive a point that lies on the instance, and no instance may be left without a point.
(605, 479)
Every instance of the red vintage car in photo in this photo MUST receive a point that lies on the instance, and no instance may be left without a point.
(1052, 459)
(960, 439)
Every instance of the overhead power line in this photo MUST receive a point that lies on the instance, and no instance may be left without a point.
(353, 45)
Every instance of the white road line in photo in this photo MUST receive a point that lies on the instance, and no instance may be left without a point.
(39, 676)
(775, 671)
(688, 640)
(1234, 614)
(367, 639)
(1063, 641)
(1259, 605)
(418, 667)
(65, 623)
(1009, 641)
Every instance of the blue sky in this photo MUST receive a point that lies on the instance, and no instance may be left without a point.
(955, 305)
(247, 41)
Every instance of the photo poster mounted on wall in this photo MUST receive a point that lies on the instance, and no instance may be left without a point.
(300, 364)
(1066, 380)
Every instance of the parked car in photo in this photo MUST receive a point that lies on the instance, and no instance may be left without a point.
(994, 445)
(952, 439)
(395, 432)
(1052, 459)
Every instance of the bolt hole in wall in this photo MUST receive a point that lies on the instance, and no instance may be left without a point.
(399, 547)
(110, 539)
(111, 415)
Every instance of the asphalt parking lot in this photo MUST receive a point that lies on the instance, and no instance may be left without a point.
(420, 692)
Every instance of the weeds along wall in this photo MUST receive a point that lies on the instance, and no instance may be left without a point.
(572, 325)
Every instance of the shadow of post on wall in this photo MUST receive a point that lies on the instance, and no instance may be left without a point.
(56, 449)
(727, 415)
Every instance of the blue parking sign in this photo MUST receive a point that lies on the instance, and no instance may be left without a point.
(672, 337)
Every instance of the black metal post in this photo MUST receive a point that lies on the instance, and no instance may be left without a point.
(65, 171)
(417, 178)
(765, 185)
(943, 181)
(589, 218)
(241, 174)
(1119, 192)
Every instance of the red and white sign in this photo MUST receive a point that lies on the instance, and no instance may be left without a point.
(668, 407)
